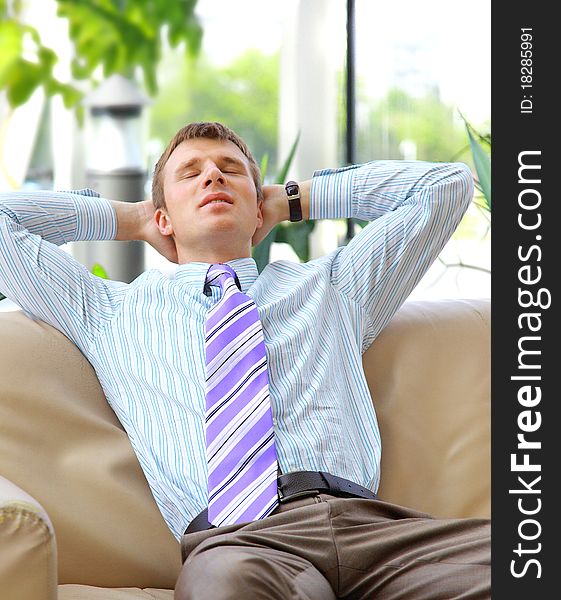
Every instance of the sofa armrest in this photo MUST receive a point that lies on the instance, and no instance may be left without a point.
(28, 564)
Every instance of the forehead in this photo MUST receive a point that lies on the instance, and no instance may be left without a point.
(201, 149)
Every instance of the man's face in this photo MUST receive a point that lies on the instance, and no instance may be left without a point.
(210, 198)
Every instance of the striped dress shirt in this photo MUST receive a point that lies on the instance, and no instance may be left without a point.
(145, 339)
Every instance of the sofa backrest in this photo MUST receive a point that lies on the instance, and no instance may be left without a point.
(429, 374)
(59, 440)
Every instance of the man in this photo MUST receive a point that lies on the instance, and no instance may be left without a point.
(243, 394)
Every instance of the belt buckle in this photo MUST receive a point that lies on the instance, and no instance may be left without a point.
(283, 499)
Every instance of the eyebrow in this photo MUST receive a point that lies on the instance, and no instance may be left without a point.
(222, 160)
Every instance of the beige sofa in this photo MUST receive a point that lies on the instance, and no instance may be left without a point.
(77, 517)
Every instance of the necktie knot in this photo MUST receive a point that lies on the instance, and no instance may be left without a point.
(219, 275)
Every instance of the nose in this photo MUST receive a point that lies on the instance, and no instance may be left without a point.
(214, 175)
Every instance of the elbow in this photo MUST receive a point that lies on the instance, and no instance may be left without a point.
(465, 184)
(458, 179)
(453, 182)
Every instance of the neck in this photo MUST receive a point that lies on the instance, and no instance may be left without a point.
(212, 254)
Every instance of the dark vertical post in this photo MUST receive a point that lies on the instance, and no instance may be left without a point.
(350, 154)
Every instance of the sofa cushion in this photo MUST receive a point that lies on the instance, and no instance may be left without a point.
(61, 442)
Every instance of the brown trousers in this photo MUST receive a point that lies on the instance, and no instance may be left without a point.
(322, 547)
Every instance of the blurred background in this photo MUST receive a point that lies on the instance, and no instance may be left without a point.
(92, 91)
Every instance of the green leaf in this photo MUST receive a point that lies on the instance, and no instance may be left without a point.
(193, 34)
(47, 58)
(70, 95)
(10, 49)
(481, 160)
(118, 36)
(262, 252)
(10, 40)
(23, 80)
(79, 69)
(297, 235)
(281, 177)
(122, 36)
(482, 166)
(99, 271)
(263, 167)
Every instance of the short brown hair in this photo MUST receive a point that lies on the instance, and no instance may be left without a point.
(204, 129)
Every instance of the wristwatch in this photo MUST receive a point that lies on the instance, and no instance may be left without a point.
(294, 206)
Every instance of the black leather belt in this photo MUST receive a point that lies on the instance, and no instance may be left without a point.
(297, 485)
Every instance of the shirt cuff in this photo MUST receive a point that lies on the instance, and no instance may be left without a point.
(331, 193)
(96, 218)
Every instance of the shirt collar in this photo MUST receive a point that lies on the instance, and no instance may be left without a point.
(194, 273)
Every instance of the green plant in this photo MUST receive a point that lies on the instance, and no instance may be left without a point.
(115, 35)
(99, 271)
(480, 147)
(296, 235)
(480, 150)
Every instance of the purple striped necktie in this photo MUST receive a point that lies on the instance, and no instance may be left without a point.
(240, 440)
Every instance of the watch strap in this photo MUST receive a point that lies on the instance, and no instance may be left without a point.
(294, 204)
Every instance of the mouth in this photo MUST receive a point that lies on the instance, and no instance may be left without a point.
(216, 198)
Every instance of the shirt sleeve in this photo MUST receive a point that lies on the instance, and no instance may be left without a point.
(414, 208)
(45, 280)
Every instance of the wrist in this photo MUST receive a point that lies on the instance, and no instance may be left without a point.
(130, 220)
(294, 201)
(275, 203)
(282, 205)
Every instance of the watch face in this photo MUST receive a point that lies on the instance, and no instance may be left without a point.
(292, 190)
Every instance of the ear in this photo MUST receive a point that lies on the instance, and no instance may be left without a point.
(260, 214)
(163, 222)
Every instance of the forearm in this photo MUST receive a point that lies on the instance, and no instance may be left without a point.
(377, 188)
(373, 189)
(59, 217)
